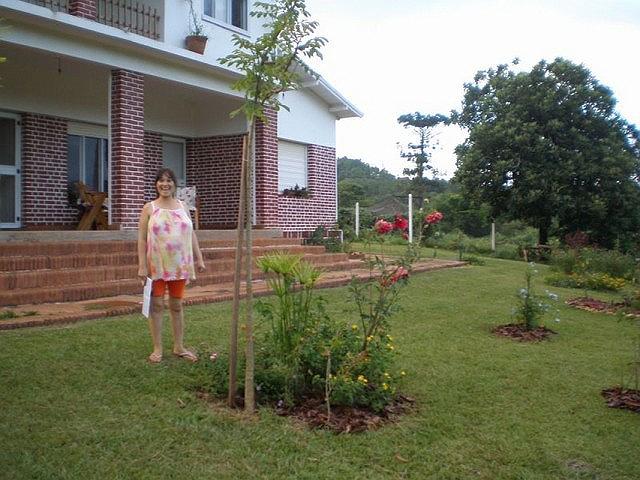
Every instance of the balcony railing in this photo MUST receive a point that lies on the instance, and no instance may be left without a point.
(135, 17)
(129, 15)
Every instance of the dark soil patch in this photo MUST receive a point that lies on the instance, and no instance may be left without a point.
(600, 306)
(618, 397)
(518, 332)
(313, 413)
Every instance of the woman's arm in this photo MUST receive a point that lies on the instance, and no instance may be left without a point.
(194, 244)
(143, 269)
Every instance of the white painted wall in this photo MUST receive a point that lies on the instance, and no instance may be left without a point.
(177, 26)
(308, 120)
(41, 83)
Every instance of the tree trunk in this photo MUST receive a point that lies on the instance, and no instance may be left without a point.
(233, 344)
(543, 233)
(249, 391)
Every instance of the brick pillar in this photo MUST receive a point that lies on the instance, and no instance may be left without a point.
(266, 181)
(83, 8)
(44, 173)
(152, 163)
(127, 148)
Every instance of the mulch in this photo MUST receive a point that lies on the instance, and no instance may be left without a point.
(599, 306)
(618, 397)
(519, 332)
(313, 412)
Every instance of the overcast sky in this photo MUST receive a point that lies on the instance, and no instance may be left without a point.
(400, 56)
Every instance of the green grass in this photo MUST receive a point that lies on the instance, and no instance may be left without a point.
(82, 401)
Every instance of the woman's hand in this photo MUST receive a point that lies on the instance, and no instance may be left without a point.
(142, 275)
(201, 266)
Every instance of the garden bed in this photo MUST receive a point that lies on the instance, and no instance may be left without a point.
(519, 332)
(600, 306)
(618, 397)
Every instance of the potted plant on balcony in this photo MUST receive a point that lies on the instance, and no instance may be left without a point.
(196, 41)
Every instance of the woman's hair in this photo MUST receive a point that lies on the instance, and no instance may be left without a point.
(162, 173)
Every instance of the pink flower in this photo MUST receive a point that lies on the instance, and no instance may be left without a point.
(382, 226)
(400, 273)
(433, 218)
(400, 223)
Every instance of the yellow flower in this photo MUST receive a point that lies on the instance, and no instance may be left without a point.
(386, 375)
(389, 346)
(362, 379)
(390, 338)
(354, 327)
(369, 338)
(385, 386)
(403, 373)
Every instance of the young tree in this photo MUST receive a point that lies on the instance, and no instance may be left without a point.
(271, 65)
(419, 153)
(547, 145)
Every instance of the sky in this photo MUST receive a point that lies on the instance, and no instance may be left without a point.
(394, 57)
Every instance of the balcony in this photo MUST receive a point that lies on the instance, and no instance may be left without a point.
(141, 18)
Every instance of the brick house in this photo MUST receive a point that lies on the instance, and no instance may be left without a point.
(105, 92)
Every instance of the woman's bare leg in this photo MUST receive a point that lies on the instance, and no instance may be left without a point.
(155, 327)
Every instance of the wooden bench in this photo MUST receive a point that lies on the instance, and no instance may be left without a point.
(93, 203)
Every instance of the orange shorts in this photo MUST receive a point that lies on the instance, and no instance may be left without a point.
(176, 288)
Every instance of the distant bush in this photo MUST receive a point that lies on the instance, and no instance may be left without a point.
(593, 281)
(592, 260)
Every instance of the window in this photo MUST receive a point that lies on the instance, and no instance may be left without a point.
(173, 158)
(87, 162)
(233, 12)
(292, 165)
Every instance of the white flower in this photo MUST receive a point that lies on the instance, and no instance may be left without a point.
(552, 296)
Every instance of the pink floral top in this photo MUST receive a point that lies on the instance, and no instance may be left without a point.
(169, 247)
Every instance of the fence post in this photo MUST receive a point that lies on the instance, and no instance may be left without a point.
(357, 219)
(410, 218)
(493, 236)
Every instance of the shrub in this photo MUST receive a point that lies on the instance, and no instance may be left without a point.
(565, 261)
(593, 281)
(531, 307)
(610, 262)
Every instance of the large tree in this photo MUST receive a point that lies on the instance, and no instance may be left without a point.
(419, 151)
(547, 145)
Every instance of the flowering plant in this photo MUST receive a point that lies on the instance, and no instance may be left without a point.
(531, 307)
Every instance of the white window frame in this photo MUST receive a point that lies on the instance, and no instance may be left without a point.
(226, 22)
(86, 130)
(15, 170)
(182, 175)
(281, 185)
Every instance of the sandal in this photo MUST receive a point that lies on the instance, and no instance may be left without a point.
(187, 355)
(155, 357)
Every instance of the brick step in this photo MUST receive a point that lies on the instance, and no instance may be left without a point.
(77, 261)
(91, 290)
(20, 249)
(25, 279)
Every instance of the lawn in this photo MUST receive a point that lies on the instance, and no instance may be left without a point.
(82, 402)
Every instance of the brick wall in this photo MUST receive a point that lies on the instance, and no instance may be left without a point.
(127, 147)
(83, 8)
(299, 215)
(213, 166)
(266, 172)
(152, 163)
(44, 172)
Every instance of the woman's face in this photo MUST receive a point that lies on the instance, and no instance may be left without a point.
(165, 186)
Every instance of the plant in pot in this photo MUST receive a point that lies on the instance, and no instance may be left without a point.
(196, 41)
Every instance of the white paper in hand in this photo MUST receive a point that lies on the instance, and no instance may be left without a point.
(146, 297)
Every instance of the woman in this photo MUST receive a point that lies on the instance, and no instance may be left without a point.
(166, 245)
